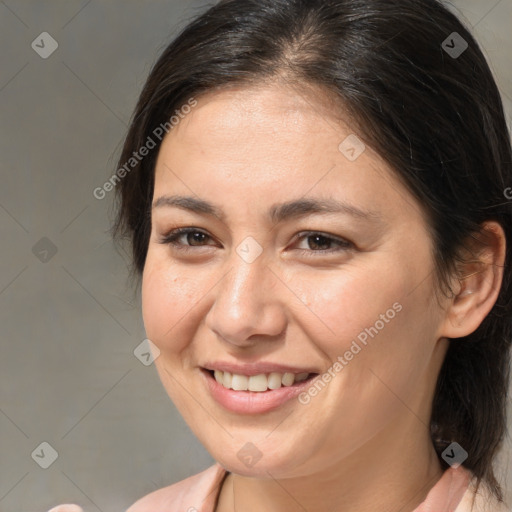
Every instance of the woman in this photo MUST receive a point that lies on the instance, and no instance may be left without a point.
(321, 235)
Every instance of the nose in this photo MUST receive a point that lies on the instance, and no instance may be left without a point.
(247, 308)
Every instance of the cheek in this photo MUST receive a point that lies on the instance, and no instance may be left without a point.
(376, 320)
(385, 337)
(345, 306)
(168, 296)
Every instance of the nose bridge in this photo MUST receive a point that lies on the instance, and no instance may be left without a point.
(243, 290)
(248, 268)
(245, 301)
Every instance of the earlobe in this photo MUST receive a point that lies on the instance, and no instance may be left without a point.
(479, 285)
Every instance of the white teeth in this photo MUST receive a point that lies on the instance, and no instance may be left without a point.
(260, 382)
(288, 379)
(257, 382)
(274, 380)
(239, 382)
(226, 379)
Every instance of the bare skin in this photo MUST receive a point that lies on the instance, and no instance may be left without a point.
(361, 444)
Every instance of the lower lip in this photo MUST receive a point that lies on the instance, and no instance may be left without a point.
(253, 402)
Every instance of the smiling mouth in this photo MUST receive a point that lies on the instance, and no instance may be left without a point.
(259, 383)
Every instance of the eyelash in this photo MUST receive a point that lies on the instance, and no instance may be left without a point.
(172, 237)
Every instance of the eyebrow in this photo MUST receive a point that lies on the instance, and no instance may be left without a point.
(277, 212)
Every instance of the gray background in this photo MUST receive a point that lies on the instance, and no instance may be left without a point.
(69, 325)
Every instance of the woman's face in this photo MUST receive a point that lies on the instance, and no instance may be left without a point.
(270, 281)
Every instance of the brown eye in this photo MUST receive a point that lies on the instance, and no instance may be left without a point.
(322, 243)
(319, 242)
(193, 237)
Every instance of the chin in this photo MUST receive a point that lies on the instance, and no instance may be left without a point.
(251, 462)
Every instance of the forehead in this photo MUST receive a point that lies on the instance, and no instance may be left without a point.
(265, 109)
(271, 142)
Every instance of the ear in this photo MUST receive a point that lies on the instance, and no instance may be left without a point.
(478, 284)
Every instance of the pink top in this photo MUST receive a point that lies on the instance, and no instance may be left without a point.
(199, 493)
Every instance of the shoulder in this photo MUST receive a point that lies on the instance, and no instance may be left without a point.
(481, 500)
(196, 493)
(456, 491)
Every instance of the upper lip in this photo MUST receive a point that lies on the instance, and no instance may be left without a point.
(254, 368)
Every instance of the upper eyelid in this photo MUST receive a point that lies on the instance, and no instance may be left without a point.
(179, 232)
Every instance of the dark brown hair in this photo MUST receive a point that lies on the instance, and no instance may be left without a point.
(435, 117)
